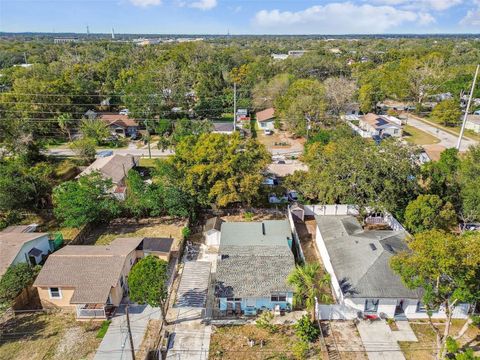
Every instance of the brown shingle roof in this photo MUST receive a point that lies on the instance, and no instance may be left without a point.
(113, 167)
(266, 115)
(119, 120)
(10, 245)
(91, 270)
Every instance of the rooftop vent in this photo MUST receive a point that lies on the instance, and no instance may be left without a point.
(390, 248)
(372, 246)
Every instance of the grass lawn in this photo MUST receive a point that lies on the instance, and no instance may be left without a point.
(230, 342)
(424, 349)
(48, 336)
(418, 137)
(153, 227)
(146, 162)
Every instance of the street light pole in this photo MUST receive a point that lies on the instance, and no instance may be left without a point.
(234, 106)
(468, 108)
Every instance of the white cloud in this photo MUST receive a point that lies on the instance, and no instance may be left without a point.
(335, 18)
(472, 18)
(203, 4)
(436, 5)
(146, 3)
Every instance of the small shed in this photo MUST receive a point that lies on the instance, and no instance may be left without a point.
(212, 231)
(298, 212)
(160, 247)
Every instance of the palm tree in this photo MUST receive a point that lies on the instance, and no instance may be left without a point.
(309, 283)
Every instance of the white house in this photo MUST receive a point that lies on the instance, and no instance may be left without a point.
(357, 260)
(27, 247)
(473, 123)
(380, 125)
(266, 119)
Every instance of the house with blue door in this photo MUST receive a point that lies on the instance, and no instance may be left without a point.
(254, 261)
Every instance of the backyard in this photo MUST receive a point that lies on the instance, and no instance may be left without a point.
(152, 227)
(424, 349)
(231, 342)
(48, 336)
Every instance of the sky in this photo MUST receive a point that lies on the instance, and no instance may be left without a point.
(242, 16)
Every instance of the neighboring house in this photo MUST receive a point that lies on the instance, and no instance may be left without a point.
(380, 125)
(211, 231)
(116, 168)
(279, 56)
(386, 105)
(223, 128)
(473, 123)
(18, 246)
(92, 279)
(255, 259)
(120, 124)
(357, 260)
(266, 119)
(297, 53)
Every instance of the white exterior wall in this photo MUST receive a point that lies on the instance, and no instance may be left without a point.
(40, 243)
(311, 210)
(328, 265)
(472, 126)
(212, 238)
(264, 125)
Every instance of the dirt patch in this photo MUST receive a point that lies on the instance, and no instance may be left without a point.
(153, 227)
(348, 340)
(306, 232)
(48, 336)
(231, 342)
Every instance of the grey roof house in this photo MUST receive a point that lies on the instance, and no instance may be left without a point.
(358, 261)
(255, 259)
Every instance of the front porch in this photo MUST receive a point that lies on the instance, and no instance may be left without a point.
(94, 311)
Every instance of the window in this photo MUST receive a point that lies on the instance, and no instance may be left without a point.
(371, 305)
(278, 297)
(234, 299)
(421, 307)
(55, 293)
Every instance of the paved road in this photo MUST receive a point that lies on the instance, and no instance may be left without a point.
(115, 345)
(132, 151)
(447, 139)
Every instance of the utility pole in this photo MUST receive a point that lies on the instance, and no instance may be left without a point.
(234, 106)
(25, 57)
(130, 333)
(467, 109)
(148, 139)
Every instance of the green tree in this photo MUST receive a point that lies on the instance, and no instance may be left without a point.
(147, 283)
(94, 129)
(16, 278)
(447, 268)
(306, 330)
(217, 169)
(428, 212)
(85, 200)
(143, 199)
(447, 112)
(309, 285)
(469, 175)
(66, 123)
(85, 148)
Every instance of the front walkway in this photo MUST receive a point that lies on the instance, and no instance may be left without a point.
(381, 343)
(116, 345)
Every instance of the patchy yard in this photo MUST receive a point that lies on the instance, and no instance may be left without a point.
(280, 140)
(152, 227)
(348, 340)
(41, 336)
(418, 137)
(424, 349)
(231, 342)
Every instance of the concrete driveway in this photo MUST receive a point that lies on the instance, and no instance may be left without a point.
(116, 345)
(447, 139)
(381, 343)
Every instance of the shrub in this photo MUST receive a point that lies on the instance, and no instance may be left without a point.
(476, 320)
(15, 279)
(264, 321)
(103, 329)
(300, 350)
(306, 330)
(186, 232)
(248, 216)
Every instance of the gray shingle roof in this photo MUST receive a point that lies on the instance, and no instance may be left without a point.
(214, 223)
(113, 167)
(360, 259)
(255, 259)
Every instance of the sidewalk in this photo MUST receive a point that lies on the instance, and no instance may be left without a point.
(381, 343)
(116, 345)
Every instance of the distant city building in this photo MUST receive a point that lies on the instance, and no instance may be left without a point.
(64, 40)
(297, 53)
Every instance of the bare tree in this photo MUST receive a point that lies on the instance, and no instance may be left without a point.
(339, 93)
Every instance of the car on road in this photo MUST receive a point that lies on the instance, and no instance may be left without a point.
(268, 132)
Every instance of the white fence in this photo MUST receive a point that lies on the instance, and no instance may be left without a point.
(90, 313)
(296, 238)
(362, 133)
(311, 210)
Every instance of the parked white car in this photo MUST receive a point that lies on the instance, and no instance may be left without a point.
(124, 112)
(268, 132)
